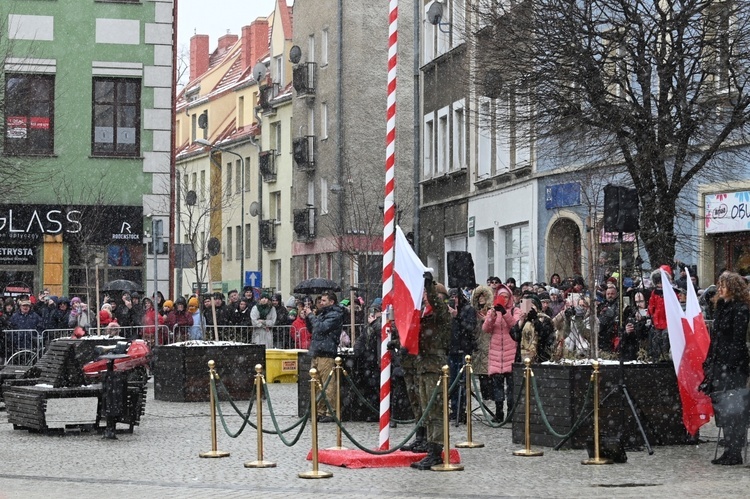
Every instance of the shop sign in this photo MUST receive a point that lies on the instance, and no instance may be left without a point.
(17, 255)
(727, 212)
(78, 223)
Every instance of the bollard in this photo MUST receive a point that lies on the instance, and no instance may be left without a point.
(469, 444)
(446, 466)
(259, 381)
(212, 397)
(596, 459)
(527, 452)
(338, 370)
(314, 473)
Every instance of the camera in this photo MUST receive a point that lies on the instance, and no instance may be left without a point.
(452, 303)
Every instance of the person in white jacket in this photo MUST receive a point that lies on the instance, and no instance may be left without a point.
(263, 317)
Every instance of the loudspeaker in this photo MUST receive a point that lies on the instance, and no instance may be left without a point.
(460, 270)
(611, 207)
(627, 220)
(620, 209)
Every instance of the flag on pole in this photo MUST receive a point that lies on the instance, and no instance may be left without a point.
(408, 286)
(688, 341)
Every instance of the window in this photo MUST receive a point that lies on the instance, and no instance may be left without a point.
(311, 48)
(278, 70)
(484, 161)
(203, 185)
(29, 114)
(194, 180)
(229, 178)
(517, 243)
(430, 32)
(248, 232)
(276, 205)
(241, 111)
(324, 47)
(428, 146)
(442, 142)
(238, 238)
(246, 185)
(459, 136)
(276, 274)
(276, 136)
(324, 120)
(323, 196)
(116, 116)
(193, 127)
(311, 121)
(458, 23)
(238, 176)
(228, 246)
(488, 237)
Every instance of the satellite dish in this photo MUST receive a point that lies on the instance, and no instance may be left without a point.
(295, 54)
(214, 246)
(254, 209)
(191, 198)
(435, 13)
(259, 72)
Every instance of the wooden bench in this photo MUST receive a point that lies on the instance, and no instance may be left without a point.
(60, 375)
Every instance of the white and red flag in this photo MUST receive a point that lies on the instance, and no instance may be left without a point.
(408, 287)
(688, 341)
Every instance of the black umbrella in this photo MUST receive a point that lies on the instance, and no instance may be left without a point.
(316, 285)
(122, 285)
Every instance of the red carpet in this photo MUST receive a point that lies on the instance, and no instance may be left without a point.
(355, 458)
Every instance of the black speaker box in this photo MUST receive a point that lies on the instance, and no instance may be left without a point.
(460, 270)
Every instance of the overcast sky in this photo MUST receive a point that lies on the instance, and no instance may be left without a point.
(215, 17)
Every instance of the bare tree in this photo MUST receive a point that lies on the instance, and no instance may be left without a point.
(657, 87)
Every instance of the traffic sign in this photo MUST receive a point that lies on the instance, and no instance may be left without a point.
(253, 278)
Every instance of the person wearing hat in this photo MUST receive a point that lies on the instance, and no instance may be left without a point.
(179, 320)
(222, 315)
(463, 325)
(263, 317)
(434, 341)
(195, 332)
(659, 337)
(26, 319)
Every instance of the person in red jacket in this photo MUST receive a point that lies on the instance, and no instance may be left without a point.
(179, 320)
(299, 332)
(658, 336)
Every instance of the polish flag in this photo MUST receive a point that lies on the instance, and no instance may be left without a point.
(688, 341)
(408, 287)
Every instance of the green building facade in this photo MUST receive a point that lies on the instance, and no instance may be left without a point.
(87, 93)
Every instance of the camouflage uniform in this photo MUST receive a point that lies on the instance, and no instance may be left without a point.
(434, 341)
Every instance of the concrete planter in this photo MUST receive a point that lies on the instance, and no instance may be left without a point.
(181, 371)
(562, 389)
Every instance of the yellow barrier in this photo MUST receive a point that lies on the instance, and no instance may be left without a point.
(282, 365)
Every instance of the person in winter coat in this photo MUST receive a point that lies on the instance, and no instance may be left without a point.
(463, 325)
(27, 320)
(282, 320)
(727, 363)
(61, 316)
(300, 335)
(179, 320)
(263, 317)
(367, 357)
(151, 322)
(659, 336)
(199, 324)
(500, 319)
(534, 332)
(325, 328)
(481, 301)
(637, 325)
(80, 316)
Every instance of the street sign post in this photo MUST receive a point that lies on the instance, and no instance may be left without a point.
(253, 278)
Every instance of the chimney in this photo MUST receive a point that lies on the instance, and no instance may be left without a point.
(198, 55)
(227, 41)
(254, 42)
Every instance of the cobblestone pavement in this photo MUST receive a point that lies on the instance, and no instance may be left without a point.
(160, 459)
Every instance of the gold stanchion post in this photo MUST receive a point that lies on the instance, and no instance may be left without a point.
(469, 444)
(314, 473)
(212, 397)
(446, 466)
(259, 381)
(337, 370)
(596, 459)
(527, 452)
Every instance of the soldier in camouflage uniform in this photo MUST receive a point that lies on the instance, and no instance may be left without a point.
(434, 340)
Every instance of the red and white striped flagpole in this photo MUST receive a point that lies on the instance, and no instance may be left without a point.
(389, 228)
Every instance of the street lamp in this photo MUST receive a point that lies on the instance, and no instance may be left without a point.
(206, 143)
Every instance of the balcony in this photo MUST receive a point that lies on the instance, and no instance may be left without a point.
(303, 79)
(267, 164)
(304, 224)
(268, 234)
(267, 94)
(304, 152)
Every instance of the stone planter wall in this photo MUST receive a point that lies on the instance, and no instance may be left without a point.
(181, 372)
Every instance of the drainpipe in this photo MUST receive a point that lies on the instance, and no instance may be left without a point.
(255, 142)
(417, 123)
(172, 160)
(340, 134)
